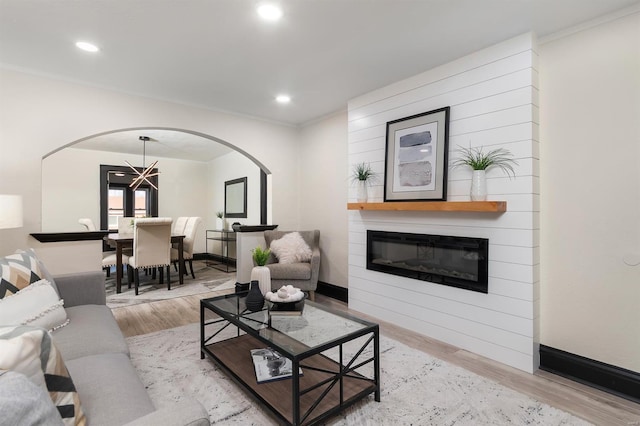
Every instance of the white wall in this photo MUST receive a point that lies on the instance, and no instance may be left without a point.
(590, 179)
(39, 115)
(323, 194)
(71, 187)
(493, 98)
(229, 167)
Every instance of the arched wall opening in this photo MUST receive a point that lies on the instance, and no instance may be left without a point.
(183, 180)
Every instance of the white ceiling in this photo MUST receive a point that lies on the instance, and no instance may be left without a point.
(162, 143)
(218, 54)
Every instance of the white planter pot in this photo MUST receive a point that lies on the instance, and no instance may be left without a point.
(219, 223)
(362, 191)
(479, 185)
(262, 274)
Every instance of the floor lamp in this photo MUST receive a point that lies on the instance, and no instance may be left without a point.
(10, 211)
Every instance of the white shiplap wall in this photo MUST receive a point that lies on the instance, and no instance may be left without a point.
(493, 97)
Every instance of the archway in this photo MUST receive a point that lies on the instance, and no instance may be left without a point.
(198, 138)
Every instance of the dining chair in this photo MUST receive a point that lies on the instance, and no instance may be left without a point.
(88, 223)
(109, 260)
(151, 247)
(125, 225)
(108, 257)
(189, 238)
(178, 229)
(178, 225)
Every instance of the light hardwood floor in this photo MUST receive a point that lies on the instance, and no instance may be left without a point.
(591, 404)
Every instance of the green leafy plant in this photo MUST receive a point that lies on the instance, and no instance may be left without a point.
(479, 160)
(363, 172)
(219, 215)
(260, 256)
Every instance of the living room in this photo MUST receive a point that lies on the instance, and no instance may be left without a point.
(579, 290)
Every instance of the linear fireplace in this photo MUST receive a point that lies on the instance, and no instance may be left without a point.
(454, 261)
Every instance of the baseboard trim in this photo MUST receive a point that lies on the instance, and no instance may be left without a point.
(609, 378)
(214, 258)
(333, 291)
(201, 256)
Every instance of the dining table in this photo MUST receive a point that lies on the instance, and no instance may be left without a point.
(121, 240)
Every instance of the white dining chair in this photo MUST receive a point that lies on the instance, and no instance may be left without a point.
(125, 225)
(88, 223)
(178, 225)
(189, 238)
(151, 247)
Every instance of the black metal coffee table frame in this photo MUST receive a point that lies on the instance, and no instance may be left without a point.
(326, 387)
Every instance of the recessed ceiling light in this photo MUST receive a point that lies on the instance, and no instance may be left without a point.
(87, 47)
(269, 12)
(283, 99)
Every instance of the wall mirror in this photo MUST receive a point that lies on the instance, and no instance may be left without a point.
(235, 198)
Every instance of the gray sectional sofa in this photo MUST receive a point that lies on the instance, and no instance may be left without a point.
(97, 357)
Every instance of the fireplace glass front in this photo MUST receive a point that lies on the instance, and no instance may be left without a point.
(454, 261)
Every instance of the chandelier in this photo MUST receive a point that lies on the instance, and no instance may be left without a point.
(146, 172)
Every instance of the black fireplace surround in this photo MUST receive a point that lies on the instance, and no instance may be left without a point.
(454, 261)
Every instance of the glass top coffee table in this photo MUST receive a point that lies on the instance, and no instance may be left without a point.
(335, 357)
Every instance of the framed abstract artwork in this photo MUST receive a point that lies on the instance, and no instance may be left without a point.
(416, 157)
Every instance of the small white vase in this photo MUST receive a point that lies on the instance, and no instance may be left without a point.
(219, 223)
(262, 274)
(479, 185)
(362, 191)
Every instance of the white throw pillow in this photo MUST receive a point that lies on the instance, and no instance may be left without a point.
(291, 248)
(37, 304)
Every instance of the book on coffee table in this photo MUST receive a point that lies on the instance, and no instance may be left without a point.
(270, 365)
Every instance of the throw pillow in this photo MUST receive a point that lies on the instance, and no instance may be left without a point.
(291, 248)
(45, 274)
(30, 351)
(24, 403)
(37, 304)
(18, 271)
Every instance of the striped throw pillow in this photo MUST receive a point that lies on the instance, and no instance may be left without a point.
(30, 351)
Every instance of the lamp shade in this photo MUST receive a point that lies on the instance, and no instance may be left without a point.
(10, 211)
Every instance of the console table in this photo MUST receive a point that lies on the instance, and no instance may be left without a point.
(225, 238)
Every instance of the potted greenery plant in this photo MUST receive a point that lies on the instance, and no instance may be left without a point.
(363, 175)
(260, 272)
(480, 162)
(220, 220)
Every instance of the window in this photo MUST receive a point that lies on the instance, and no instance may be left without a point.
(115, 206)
(117, 199)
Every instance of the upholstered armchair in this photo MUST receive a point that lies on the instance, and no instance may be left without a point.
(303, 275)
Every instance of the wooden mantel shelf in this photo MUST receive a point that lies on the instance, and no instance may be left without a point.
(441, 206)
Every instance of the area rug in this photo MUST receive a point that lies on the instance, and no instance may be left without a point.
(207, 279)
(417, 389)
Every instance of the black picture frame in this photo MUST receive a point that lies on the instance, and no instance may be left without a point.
(235, 198)
(416, 159)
